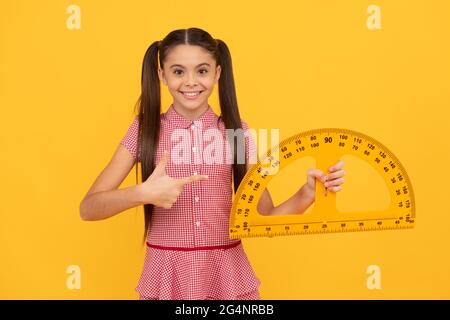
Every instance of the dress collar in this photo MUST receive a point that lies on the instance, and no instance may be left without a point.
(177, 120)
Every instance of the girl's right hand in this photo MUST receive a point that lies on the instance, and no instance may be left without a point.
(160, 189)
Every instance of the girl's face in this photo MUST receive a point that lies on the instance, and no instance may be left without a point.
(190, 74)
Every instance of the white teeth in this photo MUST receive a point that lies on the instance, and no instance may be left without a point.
(191, 94)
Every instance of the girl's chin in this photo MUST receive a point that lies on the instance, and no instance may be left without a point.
(191, 104)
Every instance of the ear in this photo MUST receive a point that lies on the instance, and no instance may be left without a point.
(161, 76)
(218, 71)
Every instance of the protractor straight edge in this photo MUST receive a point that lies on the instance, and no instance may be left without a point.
(327, 146)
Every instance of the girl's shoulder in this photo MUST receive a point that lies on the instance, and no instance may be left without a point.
(221, 123)
(244, 124)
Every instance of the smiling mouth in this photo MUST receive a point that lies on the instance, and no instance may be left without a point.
(191, 94)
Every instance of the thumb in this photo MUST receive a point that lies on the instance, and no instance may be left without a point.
(314, 174)
(160, 169)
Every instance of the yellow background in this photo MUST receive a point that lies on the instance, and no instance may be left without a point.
(67, 98)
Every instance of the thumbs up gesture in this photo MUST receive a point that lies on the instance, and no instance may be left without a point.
(160, 189)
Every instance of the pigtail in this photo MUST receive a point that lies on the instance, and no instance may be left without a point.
(229, 108)
(149, 121)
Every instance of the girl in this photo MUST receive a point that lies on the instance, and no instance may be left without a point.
(187, 202)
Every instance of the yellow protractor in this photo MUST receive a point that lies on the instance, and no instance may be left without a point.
(327, 146)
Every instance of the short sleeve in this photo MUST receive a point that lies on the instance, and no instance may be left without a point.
(129, 141)
(250, 145)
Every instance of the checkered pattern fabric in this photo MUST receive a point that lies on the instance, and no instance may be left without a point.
(199, 217)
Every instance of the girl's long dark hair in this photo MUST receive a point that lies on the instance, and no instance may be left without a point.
(149, 102)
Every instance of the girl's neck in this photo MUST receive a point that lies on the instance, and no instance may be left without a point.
(191, 114)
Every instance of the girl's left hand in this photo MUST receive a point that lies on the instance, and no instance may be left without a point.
(332, 181)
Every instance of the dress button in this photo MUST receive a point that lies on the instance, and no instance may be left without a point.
(193, 149)
(197, 223)
(196, 199)
(195, 173)
(193, 127)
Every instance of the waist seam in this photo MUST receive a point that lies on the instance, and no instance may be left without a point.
(228, 246)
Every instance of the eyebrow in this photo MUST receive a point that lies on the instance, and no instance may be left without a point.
(201, 64)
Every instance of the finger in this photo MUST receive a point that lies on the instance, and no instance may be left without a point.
(334, 189)
(335, 182)
(167, 205)
(337, 166)
(161, 167)
(191, 179)
(313, 174)
(335, 175)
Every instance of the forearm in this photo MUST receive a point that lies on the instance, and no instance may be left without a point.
(105, 204)
(297, 204)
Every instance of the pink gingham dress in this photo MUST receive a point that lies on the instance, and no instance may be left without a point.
(189, 253)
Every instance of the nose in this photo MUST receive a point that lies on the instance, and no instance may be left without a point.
(191, 80)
